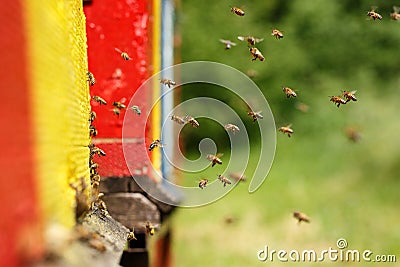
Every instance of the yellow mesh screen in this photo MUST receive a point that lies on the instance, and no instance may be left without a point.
(60, 102)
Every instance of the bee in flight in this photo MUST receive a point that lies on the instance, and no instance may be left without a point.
(228, 43)
(250, 39)
(124, 55)
(92, 116)
(203, 183)
(232, 128)
(238, 177)
(215, 159)
(374, 15)
(90, 78)
(289, 92)
(286, 130)
(155, 143)
(302, 107)
(119, 105)
(256, 54)
(301, 217)
(237, 11)
(192, 121)
(396, 13)
(167, 82)
(99, 100)
(150, 228)
(353, 134)
(350, 95)
(255, 115)
(131, 236)
(116, 111)
(178, 119)
(337, 100)
(224, 180)
(136, 109)
(278, 34)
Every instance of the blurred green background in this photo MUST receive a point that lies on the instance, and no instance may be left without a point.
(349, 189)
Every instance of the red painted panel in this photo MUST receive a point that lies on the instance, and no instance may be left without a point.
(125, 25)
(18, 199)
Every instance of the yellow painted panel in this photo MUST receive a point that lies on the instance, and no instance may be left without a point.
(60, 100)
(156, 114)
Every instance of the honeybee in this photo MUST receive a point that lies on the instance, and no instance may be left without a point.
(337, 100)
(136, 109)
(250, 39)
(167, 82)
(192, 121)
(95, 178)
(99, 100)
(353, 134)
(96, 150)
(116, 111)
(252, 73)
(215, 159)
(289, 92)
(92, 130)
(237, 11)
(255, 115)
(228, 43)
(301, 217)
(231, 127)
(277, 34)
(203, 183)
(93, 168)
(90, 78)
(256, 54)
(119, 105)
(286, 130)
(131, 236)
(150, 229)
(302, 107)
(224, 180)
(124, 55)
(396, 13)
(92, 116)
(374, 15)
(178, 119)
(238, 177)
(155, 143)
(93, 239)
(350, 95)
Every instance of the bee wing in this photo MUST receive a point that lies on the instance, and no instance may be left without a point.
(219, 155)
(373, 8)
(290, 125)
(232, 43)
(258, 40)
(241, 38)
(396, 9)
(223, 41)
(118, 50)
(353, 92)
